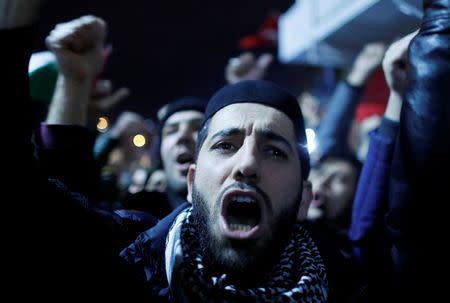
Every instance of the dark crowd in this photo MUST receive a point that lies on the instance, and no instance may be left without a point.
(253, 194)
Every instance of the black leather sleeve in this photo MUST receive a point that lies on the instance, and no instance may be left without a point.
(419, 185)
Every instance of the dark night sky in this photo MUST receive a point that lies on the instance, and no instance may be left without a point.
(167, 49)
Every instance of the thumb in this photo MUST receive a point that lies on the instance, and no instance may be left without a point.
(114, 99)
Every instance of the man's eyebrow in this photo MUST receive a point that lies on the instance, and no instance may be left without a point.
(268, 134)
(227, 132)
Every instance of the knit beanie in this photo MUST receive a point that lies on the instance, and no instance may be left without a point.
(178, 105)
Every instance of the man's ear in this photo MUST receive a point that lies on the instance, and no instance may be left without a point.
(190, 181)
(307, 197)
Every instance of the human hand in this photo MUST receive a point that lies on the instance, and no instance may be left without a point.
(247, 67)
(127, 121)
(310, 109)
(367, 61)
(395, 67)
(103, 98)
(78, 47)
(395, 63)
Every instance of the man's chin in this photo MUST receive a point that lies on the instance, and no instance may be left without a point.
(238, 257)
(239, 263)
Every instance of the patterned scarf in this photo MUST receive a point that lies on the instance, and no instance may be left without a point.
(299, 276)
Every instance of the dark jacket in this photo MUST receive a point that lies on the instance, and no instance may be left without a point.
(148, 251)
(421, 163)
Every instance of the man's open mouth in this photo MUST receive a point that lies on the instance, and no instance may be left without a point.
(242, 214)
(318, 200)
(184, 160)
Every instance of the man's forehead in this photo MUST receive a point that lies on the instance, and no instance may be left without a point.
(184, 116)
(252, 115)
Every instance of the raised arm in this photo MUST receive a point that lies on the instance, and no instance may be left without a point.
(64, 145)
(368, 234)
(78, 46)
(336, 123)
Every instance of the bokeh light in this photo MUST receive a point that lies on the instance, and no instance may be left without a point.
(102, 124)
(139, 140)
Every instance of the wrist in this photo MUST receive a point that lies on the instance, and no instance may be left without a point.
(394, 106)
(70, 101)
(357, 78)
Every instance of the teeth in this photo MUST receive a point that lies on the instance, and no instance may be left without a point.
(245, 199)
(240, 227)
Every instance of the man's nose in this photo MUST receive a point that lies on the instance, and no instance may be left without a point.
(324, 180)
(247, 165)
(186, 135)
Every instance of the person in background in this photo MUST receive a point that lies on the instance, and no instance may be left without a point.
(368, 233)
(179, 122)
(71, 245)
(335, 167)
(64, 141)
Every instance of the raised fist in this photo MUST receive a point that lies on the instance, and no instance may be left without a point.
(395, 63)
(78, 46)
(367, 61)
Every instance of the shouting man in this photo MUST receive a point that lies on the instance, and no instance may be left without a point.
(242, 237)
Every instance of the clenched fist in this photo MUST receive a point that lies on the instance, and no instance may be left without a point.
(395, 63)
(78, 46)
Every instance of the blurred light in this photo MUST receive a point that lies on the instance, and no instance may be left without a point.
(311, 138)
(139, 140)
(102, 124)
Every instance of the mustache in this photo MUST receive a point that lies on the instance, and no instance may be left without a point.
(249, 186)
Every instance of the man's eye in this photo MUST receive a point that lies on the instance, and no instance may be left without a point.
(341, 179)
(276, 152)
(169, 131)
(223, 146)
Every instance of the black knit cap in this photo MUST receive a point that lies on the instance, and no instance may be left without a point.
(267, 93)
(181, 104)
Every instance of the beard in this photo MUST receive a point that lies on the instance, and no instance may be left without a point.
(241, 259)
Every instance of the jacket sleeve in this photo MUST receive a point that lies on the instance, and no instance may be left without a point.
(367, 233)
(336, 124)
(65, 152)
(419, 179)
(371, 195)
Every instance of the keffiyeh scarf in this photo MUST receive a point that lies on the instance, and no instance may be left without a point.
(299, 276)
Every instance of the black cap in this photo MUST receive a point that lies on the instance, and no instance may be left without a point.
(181, 104)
